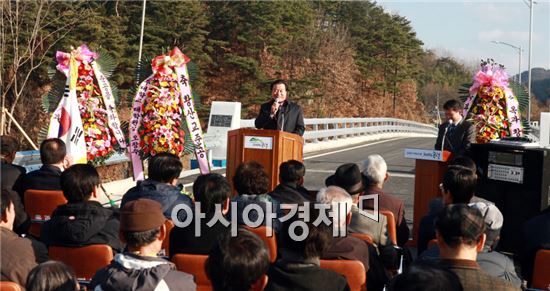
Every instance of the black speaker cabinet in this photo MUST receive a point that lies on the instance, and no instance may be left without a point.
(517, 180)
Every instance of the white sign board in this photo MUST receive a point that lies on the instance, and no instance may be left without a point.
(224, 116)
(423, 154)
(258, 142)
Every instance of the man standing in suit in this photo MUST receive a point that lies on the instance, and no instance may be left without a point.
(281, 113)
(456, 135)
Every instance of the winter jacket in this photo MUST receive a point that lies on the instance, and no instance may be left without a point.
(82, 224)
(128, 272)
(19, 257)
(244, 200)
(168, 196)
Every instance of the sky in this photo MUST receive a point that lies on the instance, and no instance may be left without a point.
(466, 29)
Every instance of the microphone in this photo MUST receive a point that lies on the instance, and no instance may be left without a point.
(445, 134)
(282, 110)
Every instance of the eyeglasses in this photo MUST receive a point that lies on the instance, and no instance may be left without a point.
(441, 187)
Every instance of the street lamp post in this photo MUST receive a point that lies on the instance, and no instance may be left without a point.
(519, 49)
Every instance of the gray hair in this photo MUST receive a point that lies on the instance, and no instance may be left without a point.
(335, 195)
(375, 169)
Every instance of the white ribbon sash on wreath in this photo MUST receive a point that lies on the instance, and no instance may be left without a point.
(137, 166)
(66, 123)
(193, 123)
(109, 102)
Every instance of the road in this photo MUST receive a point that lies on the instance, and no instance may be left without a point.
(320, 165)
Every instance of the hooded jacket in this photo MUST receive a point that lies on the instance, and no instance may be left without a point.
(128, 272)
(168, 196)
(82, 224)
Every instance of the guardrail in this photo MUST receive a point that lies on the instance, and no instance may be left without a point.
(324, 129)
(317, 130)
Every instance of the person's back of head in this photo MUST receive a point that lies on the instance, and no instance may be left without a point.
(459, 185)
(211, 189)
(302, 237)
(493, 223)
(375, 170)
(8, 211)
(236, 263)
(142, 225)
(9, 146)
(52, 151)
(426, 277)
(337, 197)
(51, 276)
(464, 161)
(251, 178)
(79, 182)
(164, 167)
(292, 171)
(458, 228)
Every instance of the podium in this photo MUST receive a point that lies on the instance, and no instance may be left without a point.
(430, 168)
(269, 148)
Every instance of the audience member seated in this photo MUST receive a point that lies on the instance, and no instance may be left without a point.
(458, 186)
(291, 178)
(348, 177)
(347, 247)
(299, 266)
(18, 255)
(375, 173)
(83, 220)
(460, 236)
(162, 185)
(237, 263)
(52, 276)
(11, 173)
(425, 277)
(252, 183)
(536, 236)
(490, 261)
(53, 155)
(142, 229)
(209, 190)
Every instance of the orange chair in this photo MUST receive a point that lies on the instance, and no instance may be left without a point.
(9, 286)
(541, 270)
(270, 241)
(165, 251)
(363, 236)
(354, 271)
(392, 230)
(40, 205)
(194, 265)
(85, 261)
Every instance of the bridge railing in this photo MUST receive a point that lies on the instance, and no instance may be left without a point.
(324, 129)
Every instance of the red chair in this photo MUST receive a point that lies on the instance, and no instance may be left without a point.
(541, 270)
(40, 205)
(270, 241)
(194, 265)
(354, 271)
(9, 286)
(165, 251)
(85, 261)
(363, 236)
(392, 230)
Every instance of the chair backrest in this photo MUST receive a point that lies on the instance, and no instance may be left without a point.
(85, 261)
(194, 265)
(260, 284)
(270, 241)
(9, 286)
(541, 270)
(392, 230)
(354, 271)
(40, 205)
(165, 251)
(363, 236)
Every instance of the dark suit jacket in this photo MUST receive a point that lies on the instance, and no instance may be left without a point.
(293, 118)
(458, 140)
(289, 193)
(393, 204)
(48, 177)
(11, 175)
(184, 241)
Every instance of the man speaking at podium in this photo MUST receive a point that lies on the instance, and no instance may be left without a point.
(280, 113)
(456, 135)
